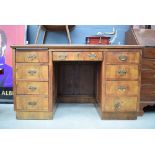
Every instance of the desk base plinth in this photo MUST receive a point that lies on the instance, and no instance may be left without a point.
(34, 115)
(119, 115)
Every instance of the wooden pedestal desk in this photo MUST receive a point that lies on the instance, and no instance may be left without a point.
(108, 76)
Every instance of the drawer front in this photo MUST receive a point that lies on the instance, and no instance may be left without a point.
(122, 72)
(31, 103)
(144, 98)
(32, 56)
(122, 57)
(32, 72)
(148, 64)
(121, 104)
(149, 52)
(122, 88)
(148, 76)
(77, 56)
(148, 90)
(38, 88)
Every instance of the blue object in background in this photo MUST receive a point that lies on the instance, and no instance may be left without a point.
(78, 35)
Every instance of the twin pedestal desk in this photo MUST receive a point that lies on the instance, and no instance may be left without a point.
(108, 76)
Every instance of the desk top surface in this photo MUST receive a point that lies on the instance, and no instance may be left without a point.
(72, 46)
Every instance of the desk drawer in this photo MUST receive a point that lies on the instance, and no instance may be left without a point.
(148, 90)
(77, 56)
(122, 57)
(122, 72)
(149, 52)
(122, 88)
(32, 72)
(121, 104)
(148, 63)
(31, 103)
(32, 56)
(38, 88)
(148, 76)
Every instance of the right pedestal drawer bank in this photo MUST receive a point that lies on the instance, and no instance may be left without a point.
(122, 84)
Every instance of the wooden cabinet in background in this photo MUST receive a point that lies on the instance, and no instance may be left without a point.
(146, 38)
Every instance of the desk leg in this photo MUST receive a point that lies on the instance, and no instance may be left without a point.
(100, 89)
(103, 82)
(52, 85)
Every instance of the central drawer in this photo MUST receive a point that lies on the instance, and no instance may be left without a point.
(32, 72)
(32, 103)
(38, 88)
(77, 56)
(122, 72)
(121, 104)
(122, 88)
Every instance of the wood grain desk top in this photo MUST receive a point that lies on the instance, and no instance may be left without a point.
(59, 46)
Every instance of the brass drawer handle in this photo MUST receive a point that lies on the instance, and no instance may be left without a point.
(32, 72)
(121, 88)
(78, 55)
(62, 57)
(122, 72)
(117, 105)
(32, 88)
(32, 103)
(92, 56)
(32, 57)
(123, 57)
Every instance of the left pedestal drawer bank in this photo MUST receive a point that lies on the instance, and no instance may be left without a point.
(31, 74)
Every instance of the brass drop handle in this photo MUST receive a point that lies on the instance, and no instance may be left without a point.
(32, 72)
(32, 88)
(32, 103)
(123, 57)
(92, 56)
(122, 72)
(121, 88)
(62, 57)
(117, 106)
(31, 57)
(78, 55)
